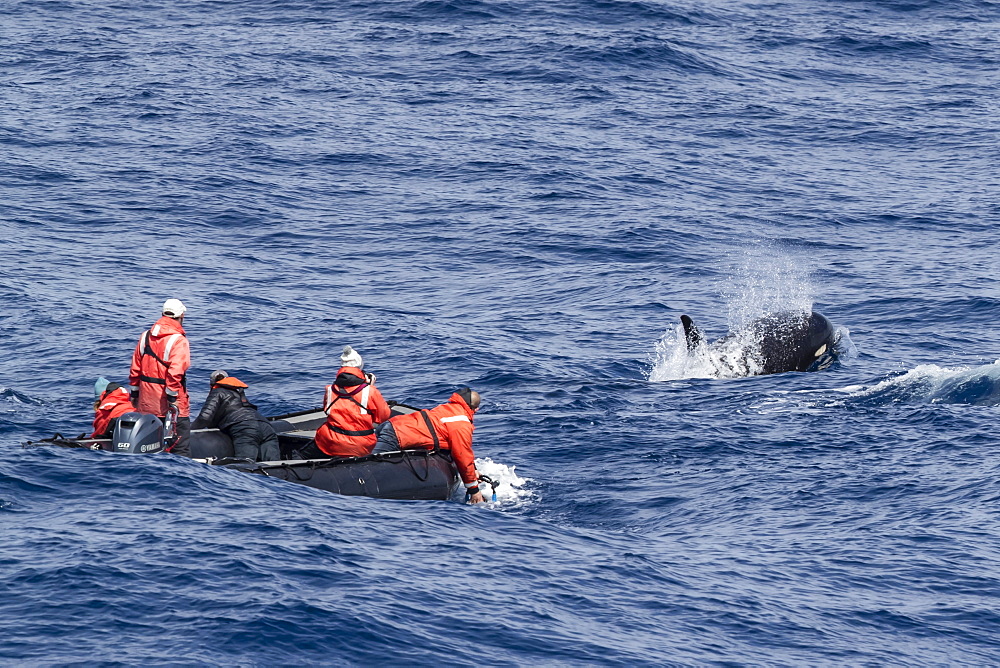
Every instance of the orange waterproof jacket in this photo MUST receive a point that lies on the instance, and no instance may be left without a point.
(352, 412)
(159, 364)
(452, 423)
(113, 405)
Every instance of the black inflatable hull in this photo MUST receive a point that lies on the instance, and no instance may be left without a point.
(414, 474)
(391, 475)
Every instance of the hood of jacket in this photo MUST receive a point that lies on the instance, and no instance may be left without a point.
(166, 326)
(349, 376)
(457, 398)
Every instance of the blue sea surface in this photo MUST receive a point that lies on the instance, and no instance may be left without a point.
(522, 197)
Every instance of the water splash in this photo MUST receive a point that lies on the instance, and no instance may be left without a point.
(764, 279)
(846, 350)
(672, 360)
(12, 401)
(510, 491)
(11, 396)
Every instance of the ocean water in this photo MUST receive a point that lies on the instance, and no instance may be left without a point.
(522, 197)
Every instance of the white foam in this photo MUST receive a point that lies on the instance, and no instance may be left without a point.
(671, 360)
(510, 490)
(932, 377)
(925, 374)
(736, 357)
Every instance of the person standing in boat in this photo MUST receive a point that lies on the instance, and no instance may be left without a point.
(228, 408)
(448, 427)
(113, 401)
(353, 406)
(159, 372)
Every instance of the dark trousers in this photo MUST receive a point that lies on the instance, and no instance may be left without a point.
(308, 451)
(387, 440)
(254, 439)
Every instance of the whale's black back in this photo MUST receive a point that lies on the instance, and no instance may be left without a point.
(792, 341)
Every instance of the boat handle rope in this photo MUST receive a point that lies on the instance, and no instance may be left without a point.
(291, 469)
(427, 465)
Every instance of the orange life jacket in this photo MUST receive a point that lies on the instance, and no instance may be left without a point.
(449, 427)
(160, 363)
(113, 405)
(351, 415)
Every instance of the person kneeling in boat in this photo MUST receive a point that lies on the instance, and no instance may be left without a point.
(448, 427)
(228, 409)
(113, 401)
(353, 406)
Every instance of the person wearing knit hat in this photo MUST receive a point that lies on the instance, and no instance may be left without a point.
(158, 375)
(228, 409)
(353, 406)
(113, 401)
(99, 387)
(351, 357)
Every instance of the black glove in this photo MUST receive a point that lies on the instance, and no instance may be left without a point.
(171, 399)
(133, 394)
(392, 403)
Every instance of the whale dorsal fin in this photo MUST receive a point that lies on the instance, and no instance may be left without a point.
(691, 332)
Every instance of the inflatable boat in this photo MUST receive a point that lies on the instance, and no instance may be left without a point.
(406, 474)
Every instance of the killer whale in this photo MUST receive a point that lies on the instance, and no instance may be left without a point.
(775, 343)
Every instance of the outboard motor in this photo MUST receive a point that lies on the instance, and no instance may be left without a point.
(138, 433)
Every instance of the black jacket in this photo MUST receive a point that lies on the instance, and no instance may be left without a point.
(224, 408)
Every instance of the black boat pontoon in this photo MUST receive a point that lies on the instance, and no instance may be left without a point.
(407, 474)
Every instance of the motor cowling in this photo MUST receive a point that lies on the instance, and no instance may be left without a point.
(138, 433)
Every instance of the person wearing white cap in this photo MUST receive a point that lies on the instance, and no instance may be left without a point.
(159, 371)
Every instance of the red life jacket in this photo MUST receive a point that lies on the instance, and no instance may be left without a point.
(160, 363)
(113, 405)
(451, 429)
(351, 415)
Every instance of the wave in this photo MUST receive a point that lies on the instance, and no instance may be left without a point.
(11, 396)
(932, 384)
(643, 52)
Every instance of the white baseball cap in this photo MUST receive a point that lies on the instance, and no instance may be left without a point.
(174, 308)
